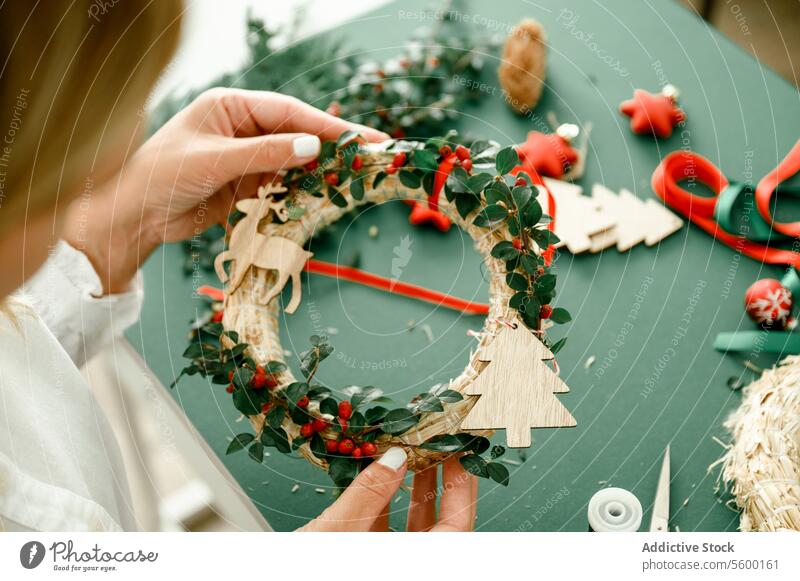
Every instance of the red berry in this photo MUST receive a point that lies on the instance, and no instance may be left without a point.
(343, 424)
(346, 447)
(265, 407)
(229, 389)
(399, 159)
(357, 164)
(520, 182)
(307, 430)
(303, 402)
(217, 316)
(445, 150)
(357, 453)
(319, 424)
(345, 410)
(545, 311)
(369, 449)
(540, 270)
(462, 153)
(332, 179)
(271, 381)
(331, 446)
(230, 376)
(390, 169)
(259, 381)
(398, 133)
(260, 370)
(517, 243)
(467, 164)
(312, 165)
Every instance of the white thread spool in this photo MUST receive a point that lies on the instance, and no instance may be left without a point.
(614, 510)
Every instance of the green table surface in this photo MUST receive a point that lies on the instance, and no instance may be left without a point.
(648, 316)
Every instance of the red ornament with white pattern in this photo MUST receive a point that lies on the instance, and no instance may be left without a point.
(769, 304)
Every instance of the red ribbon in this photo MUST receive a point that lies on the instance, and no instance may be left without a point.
(681, 165)
(379, 282)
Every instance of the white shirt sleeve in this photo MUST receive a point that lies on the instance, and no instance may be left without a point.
(66, 294)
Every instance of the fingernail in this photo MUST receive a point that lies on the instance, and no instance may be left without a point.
(306, 146)
(394, 458)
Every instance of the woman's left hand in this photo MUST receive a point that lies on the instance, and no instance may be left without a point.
(188, 175)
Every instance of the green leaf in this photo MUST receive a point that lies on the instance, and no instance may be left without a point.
(256, 452)
(247, 401)
(357, 187)
(545, 283)
(522, 196)
(239, 442)
(318, 392)
(329, 406)
(498, 192)
(495, 212)
(336, 197)
(516, 281)
(410, 179)
(342, 470)
(518, 299)
(430, 403)
(558, 345)
(474, 464)
(498, 473)
(379, 177)
(505, 250)
(530, 263)
(533, 213)
(560, 316)
(347, 137)
(445, 443)
(465, 204)
(507, 159)
(277, 438)
(275, 416)
(497, 451)
(457, 180)
(357, 422)
(296, 212)
(296, 390)
(375, 415)
(449, 396)
(477, 182)
(399, 421)
(425, 160)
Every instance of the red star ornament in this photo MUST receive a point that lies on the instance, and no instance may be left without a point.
(653, 113)
(549, 154)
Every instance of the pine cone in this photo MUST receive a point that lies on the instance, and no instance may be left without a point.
(522, 71)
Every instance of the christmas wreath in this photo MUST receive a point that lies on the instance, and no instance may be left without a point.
(491, 195)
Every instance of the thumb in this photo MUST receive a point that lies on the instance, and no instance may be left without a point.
(366, 498)
(269, 153)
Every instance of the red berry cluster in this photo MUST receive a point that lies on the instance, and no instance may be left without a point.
(464, 156)
(344, 445)
(399, 161)
(261, 379)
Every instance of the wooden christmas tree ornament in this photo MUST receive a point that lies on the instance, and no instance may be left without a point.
(517, 388)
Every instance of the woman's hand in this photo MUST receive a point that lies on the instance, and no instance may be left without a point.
(365, 505)
(188, 175)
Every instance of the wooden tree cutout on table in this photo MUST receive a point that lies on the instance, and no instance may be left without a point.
(517, 389)
(250, 248)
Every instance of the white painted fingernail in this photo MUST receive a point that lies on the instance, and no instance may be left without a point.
(306, 146)
(394, 458)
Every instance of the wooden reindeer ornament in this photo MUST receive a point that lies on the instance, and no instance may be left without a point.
(250, 248)
(517, 388)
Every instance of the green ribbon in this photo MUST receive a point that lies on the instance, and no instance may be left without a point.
(741, 218)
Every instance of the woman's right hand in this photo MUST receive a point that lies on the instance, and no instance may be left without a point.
(365, 504)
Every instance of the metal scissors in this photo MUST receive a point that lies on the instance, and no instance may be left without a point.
(659, 521)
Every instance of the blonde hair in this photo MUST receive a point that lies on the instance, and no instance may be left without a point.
(74, 79)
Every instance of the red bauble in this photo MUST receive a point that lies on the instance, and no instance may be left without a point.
(652, 113)
(769, 303)
(550, 154)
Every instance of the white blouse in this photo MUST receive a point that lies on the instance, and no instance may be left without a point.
(60, 466)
